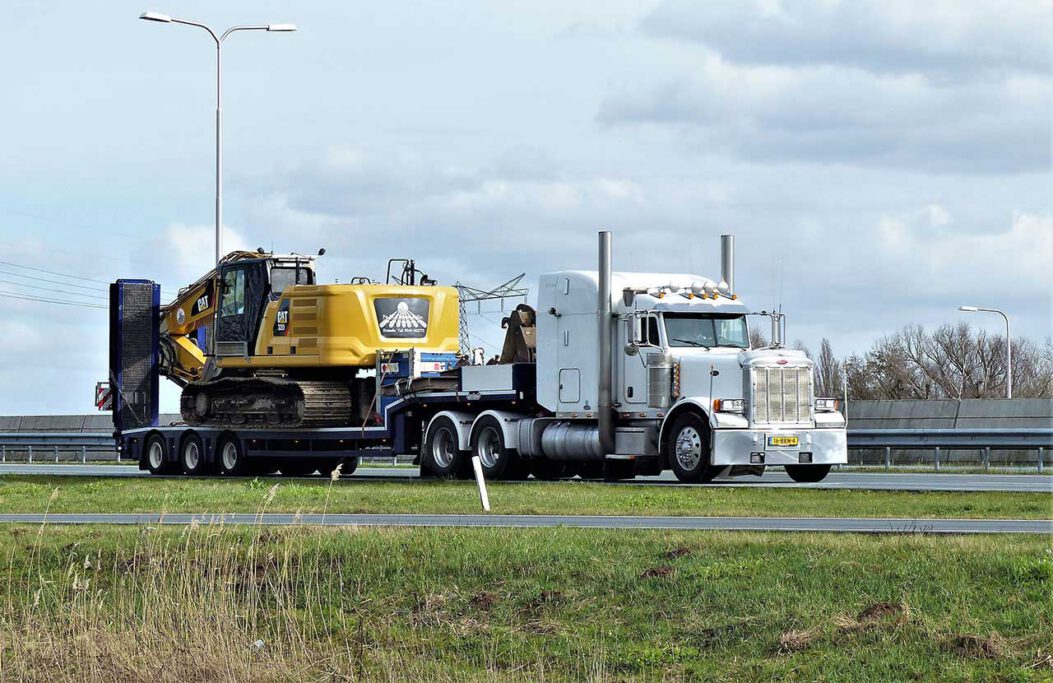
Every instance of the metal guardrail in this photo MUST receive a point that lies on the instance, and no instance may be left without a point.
(984, 440)
(49, 445)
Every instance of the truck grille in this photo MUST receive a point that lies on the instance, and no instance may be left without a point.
(782, 394)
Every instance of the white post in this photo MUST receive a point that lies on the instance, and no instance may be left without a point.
(477, 465)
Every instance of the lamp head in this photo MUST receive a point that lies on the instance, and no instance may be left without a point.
(281, 28)
(156, 16)
(968, 309)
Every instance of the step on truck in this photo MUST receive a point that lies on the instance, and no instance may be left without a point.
(613, 375)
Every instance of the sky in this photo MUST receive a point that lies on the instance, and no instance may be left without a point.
(881, 162)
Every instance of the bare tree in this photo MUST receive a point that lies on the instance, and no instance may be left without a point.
(954, 361)
(757, 339)
(828, 380)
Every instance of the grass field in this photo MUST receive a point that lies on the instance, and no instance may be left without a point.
(29, 494)
(214, 603)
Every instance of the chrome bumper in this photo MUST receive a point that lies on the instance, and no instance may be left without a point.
(738, 446)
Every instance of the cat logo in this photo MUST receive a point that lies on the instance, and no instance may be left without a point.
(402, 318)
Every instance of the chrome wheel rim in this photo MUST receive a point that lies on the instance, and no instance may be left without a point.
(230, 456)
(156, 455)
(442, 447)
(489, 447)
(191, 455)
(689, 448)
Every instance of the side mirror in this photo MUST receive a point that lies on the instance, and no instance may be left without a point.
(631, 349)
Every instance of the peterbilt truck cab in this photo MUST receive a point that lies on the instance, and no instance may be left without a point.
(686, 388)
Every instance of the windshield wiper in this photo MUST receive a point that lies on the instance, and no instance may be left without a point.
(691, 342)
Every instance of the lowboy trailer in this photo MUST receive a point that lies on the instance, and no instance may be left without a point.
(614, 375)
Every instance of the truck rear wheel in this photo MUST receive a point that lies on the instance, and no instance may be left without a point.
(488, 444)
(155, 452)
(232, 459)
(807, 474)
(687, 449)
(442, 456)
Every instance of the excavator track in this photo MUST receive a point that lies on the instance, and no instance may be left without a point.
(267, 402)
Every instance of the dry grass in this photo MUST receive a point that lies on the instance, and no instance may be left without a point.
(197, 607)
(209, 603)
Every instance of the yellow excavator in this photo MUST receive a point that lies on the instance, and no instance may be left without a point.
(258, 342)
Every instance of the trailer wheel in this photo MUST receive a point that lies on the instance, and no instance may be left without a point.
(488, 444)
(688, 449)
(441, 457)
(807, 474)
(232, 458)
(192, 456)
(155, 451)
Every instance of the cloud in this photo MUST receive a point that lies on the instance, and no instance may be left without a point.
(848, 116)
(943, 38)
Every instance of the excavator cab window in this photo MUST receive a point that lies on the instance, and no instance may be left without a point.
(283, 277)
(233, 293)
(242, 298)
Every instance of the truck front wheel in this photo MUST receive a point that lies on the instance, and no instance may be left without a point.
(807, 474)
(687, 449)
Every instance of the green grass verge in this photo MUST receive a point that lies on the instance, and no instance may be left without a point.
(31, 493)
(214, 603)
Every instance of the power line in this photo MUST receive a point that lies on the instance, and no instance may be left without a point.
(53, 289)
(52, 301)
(166, 293)
(53, 272)
(37, 278)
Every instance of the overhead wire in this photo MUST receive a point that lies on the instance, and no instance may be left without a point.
(99, 297)
(54, 272)
(166, 293)
(80, 304)
(54, 282)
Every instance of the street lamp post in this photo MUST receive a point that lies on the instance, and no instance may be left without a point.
(1008, 344)
(280, 28)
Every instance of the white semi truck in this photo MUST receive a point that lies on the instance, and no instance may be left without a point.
(613, 375)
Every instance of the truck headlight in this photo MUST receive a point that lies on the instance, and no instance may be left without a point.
(826, 405)
(729, 405)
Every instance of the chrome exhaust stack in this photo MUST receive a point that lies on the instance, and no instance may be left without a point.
(727, 264)
(603, 324)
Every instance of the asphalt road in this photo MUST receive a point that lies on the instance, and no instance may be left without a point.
(874, 481)
(848, 525)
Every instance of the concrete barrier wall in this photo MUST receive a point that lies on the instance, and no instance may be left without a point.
(101, 422)
(979, 413)
(949, 414)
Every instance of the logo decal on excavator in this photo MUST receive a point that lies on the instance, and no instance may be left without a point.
(281, 319)
(403, 317)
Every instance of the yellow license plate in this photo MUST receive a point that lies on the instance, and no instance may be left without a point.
(782, 441)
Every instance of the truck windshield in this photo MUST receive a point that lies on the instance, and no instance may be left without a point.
(693, 329)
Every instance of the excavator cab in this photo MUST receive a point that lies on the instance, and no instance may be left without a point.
(246, 287)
